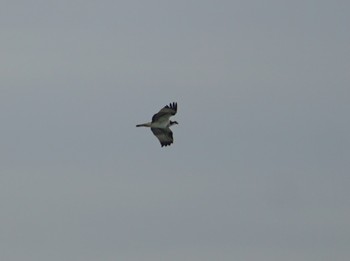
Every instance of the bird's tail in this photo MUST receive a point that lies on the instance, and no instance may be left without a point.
(148, 124)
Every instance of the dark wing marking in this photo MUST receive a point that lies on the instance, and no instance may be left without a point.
(165, 112)
(165, 136)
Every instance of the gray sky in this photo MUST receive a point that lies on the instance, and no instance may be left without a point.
(260, 165)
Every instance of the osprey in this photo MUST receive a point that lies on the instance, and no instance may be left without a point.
(161, 122)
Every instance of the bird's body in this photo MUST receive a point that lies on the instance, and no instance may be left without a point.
(161, 122)
(161, 125)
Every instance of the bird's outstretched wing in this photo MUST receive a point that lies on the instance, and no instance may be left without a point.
(165, 136)
(165, 113)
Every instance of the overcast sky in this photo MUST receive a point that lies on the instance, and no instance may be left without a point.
(259, 169)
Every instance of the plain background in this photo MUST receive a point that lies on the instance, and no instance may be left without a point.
(259, 169)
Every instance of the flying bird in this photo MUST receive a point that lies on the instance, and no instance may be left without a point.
(161, 122)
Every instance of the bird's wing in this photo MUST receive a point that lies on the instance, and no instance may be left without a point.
(165, 113)
(165, 136)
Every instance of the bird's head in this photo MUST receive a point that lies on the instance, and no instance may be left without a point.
(173, 122)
